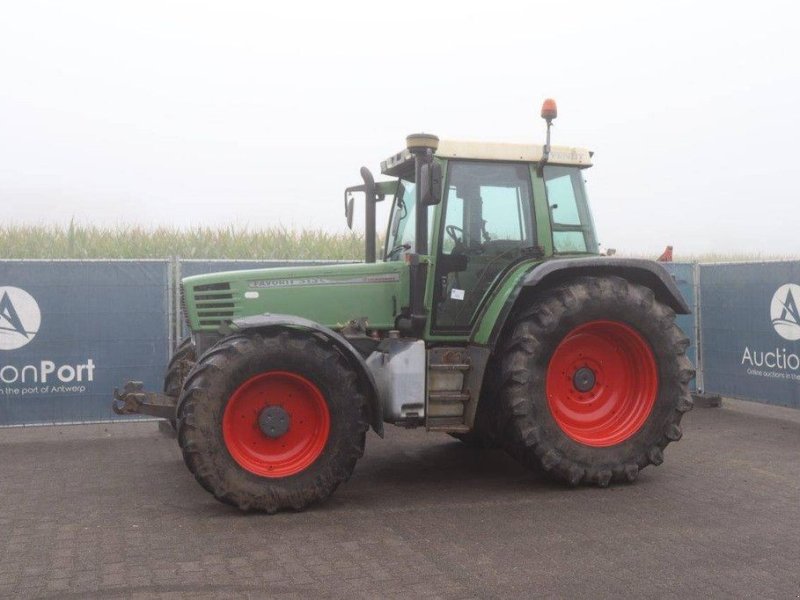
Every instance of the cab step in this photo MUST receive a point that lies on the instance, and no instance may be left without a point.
(448, 397)
(449, 367)
(446, 427)
(447, 392)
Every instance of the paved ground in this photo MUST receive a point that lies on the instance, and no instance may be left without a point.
(110, 511)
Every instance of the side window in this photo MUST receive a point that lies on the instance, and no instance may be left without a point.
(569, 213)
(505, 219)
(563, 205)
(487, 224)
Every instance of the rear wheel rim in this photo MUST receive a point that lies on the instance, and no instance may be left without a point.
(602, 383)
(288, 450)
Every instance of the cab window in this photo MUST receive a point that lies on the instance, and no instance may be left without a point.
(569, 213)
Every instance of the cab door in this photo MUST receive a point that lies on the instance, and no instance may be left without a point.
(487, 224)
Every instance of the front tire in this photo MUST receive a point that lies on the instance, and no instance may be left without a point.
(181, 362)
(272, 420)
(594, 381)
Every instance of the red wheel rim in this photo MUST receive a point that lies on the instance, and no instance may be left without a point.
(293, 450)
(602, 383)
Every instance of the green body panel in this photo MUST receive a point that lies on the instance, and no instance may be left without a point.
(502, 294)
(331, 295)
(494, 305)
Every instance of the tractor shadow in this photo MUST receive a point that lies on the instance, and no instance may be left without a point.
(437, 469)
(405, 471)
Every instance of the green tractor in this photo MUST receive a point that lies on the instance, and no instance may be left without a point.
(491, 316)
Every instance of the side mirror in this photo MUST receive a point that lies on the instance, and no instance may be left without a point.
(348, 212)
(430, 182)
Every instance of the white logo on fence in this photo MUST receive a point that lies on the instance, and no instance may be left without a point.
(784, 311)
(20, 318)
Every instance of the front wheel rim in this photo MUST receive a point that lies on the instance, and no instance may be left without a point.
(295, 444)
(602, 383)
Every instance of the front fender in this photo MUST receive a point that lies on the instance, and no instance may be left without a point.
(270, 321)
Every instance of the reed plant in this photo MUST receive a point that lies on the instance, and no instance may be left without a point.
(93, 241)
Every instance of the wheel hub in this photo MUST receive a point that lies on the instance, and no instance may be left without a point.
(584, 379)
(602, 383)
(274, 421)
(276, 424)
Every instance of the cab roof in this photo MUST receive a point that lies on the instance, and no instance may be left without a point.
(399, 163)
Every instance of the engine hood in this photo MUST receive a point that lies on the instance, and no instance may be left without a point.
(331, 295)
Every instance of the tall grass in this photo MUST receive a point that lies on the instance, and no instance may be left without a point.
(91, 241)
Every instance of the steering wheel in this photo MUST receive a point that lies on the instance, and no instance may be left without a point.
(454, 232)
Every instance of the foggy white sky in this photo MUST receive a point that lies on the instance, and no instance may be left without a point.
(256, 113)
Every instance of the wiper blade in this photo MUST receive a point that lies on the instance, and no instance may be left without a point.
(397, 249)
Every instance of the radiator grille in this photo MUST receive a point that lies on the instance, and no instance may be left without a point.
(214, 303)
(184, 311)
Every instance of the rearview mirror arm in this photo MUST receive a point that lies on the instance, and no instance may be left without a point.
(372, 197)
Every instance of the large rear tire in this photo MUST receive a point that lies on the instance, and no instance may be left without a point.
(274, 420)
(594, 381)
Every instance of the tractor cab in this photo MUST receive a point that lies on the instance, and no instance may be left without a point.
(490, 190)
(498, 206)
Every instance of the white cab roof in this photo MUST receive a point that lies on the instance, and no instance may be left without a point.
(559, 155)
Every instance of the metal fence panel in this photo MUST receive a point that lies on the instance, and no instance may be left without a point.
(70, 331)
(750, 331)
(684, 275)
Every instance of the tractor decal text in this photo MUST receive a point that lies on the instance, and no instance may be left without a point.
(316, 281)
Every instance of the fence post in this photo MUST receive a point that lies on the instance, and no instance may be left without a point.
(698, 350)
(175, 295)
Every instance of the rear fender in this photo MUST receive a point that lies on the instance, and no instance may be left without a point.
(553, 272)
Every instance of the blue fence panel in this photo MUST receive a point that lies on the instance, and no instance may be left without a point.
(70, 331)
(683, 273)
(750, 331)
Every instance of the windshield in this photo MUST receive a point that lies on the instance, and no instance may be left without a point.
(402, 223)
